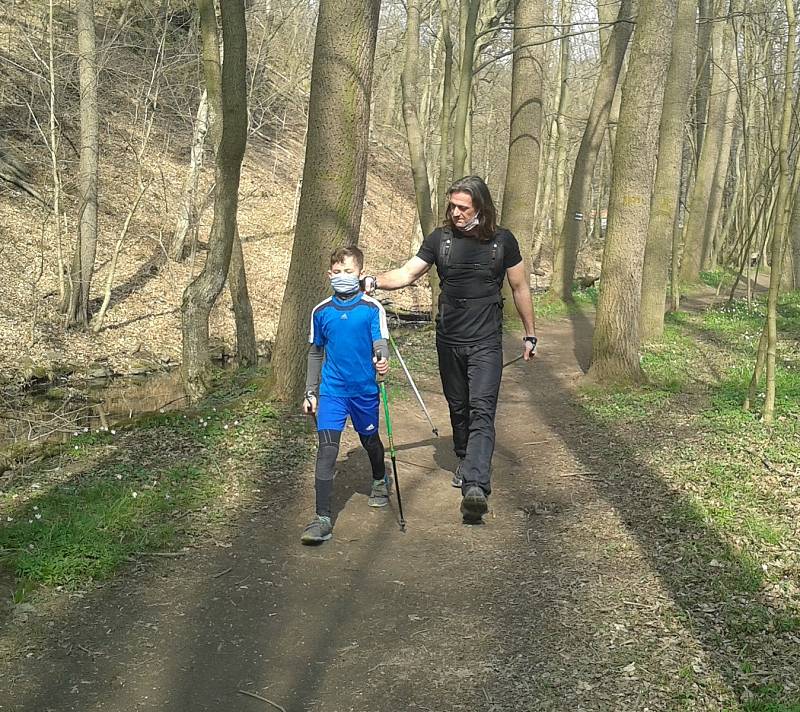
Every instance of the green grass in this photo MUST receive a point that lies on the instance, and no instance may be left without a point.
(717, 277)
(85, 530)
(731, 522)
(547, 307)
(95, 502)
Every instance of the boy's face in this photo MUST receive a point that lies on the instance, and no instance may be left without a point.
(347, 266)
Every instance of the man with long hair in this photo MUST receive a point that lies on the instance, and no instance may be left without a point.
(473, 255)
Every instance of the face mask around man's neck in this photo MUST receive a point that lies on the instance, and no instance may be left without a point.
(472, 224)
(345, 283)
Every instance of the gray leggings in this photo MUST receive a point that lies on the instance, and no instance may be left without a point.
(325, 469)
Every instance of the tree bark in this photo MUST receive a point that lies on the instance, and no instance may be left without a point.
(464, 89)
(334, 173)
(703, 72)
(444, 118)
(201, 294)
(213, 57)
(782, 214)
(578, 204)
(187, 210)
(664, 205)
(416, 147)
(414, 135)
(708, 253)
(615, 348)
(695, 232)
(77, 308)
(246, 348)
(562, 139)
(525, 134)
(793, 253)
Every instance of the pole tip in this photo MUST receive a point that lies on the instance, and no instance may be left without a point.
(436, 432)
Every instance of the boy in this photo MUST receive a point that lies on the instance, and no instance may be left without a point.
(349, 343)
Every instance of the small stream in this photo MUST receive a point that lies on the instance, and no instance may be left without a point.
(55, 412)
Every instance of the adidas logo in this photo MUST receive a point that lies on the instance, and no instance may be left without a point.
(370, 427)
(343, 316)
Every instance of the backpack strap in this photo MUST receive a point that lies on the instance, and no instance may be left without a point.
(498, 253)
(445, 243)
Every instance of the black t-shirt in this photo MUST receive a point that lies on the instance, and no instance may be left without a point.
(467, 314)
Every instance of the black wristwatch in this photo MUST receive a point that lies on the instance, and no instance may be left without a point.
(533, 340)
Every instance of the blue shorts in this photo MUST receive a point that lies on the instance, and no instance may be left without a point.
(364, 411)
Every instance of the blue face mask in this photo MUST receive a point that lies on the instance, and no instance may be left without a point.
(344, 283)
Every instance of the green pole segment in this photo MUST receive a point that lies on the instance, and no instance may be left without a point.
(392, 451)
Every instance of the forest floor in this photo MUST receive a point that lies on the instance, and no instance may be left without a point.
(640, 553)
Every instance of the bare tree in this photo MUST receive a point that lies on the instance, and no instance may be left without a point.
(664, 206)
(578, 200)
(465, 73)
(782, 213)
(615, 348)
(334, 173)
(201, 294)
(80, 276)
(524, 144)
(698, 227)
(416, 145)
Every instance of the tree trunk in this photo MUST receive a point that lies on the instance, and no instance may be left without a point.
(444, 119)
(782, 215)
(77, 311)
(695, 232)
(464, 89)
(664, 205)
(793, 253)
(607, 12)
(578, 200)
(562, 140)
(615, 349)
(416, 144)
(524, 146)
(703, 72)
(187, 210)
(334, 173)
(201, 294)
(246, 348)
(708, 254)
(213, 57)
(416, 148)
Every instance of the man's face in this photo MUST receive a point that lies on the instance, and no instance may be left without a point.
(347, 266)
(461, 208)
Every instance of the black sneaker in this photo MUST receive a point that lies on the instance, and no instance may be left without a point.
(457, 481)
(474, 505)
(320, 529)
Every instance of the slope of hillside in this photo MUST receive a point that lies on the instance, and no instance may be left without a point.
(143, 320)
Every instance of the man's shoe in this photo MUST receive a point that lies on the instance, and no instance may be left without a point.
(379, 494)
(474, 505)
(457, 481)
(320, 529)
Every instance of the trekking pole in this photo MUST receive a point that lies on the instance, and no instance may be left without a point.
(513, 360)
(434, 429)
(392, 451)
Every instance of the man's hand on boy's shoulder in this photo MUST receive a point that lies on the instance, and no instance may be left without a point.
(309, 403)
(381, 365)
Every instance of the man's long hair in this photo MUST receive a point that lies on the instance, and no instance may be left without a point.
(482, 201)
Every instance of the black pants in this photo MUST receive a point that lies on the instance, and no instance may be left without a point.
(471, 381)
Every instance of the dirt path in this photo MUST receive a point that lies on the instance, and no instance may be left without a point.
(566, 599)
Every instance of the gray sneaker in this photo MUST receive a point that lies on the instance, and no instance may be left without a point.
(379, 494)
(474, 505)
(320, 529)
(457, 481)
